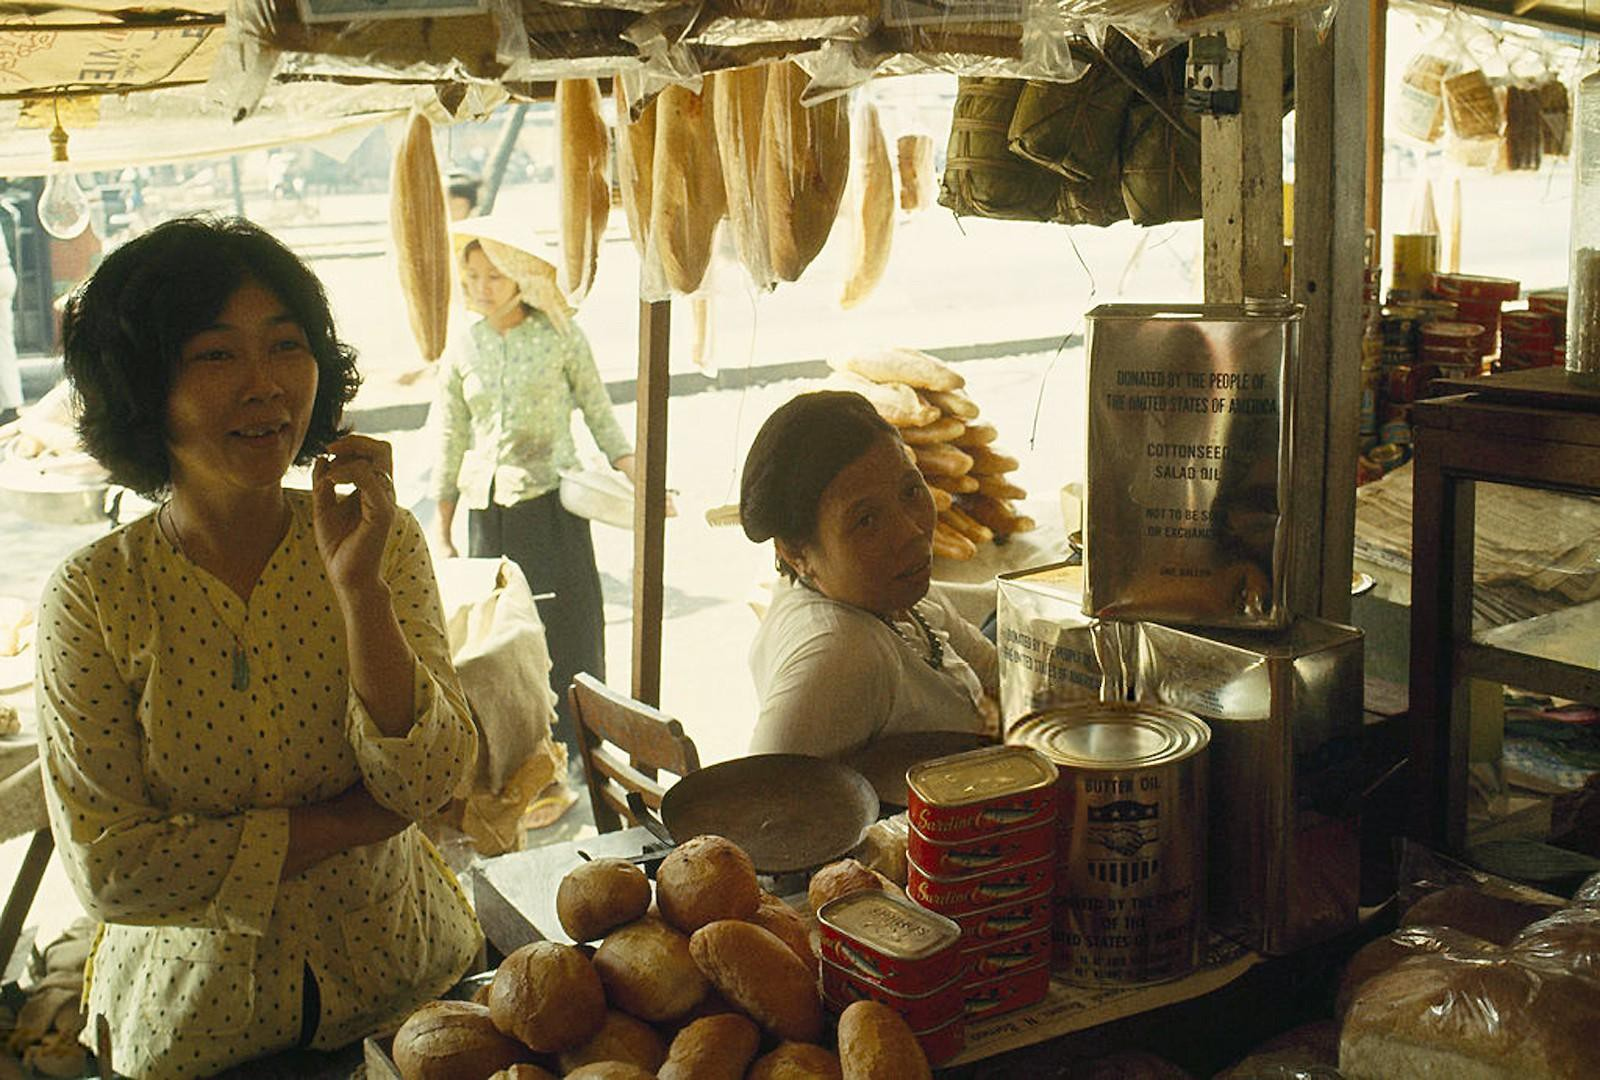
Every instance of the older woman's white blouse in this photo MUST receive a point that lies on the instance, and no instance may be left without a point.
(832, 677)
(169, 793)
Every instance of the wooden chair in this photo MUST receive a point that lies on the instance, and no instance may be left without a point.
(625, 744)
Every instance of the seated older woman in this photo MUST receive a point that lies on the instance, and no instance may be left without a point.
(246, 699)
(854, 646)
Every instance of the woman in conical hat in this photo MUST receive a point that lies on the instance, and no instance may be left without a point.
(507, 391)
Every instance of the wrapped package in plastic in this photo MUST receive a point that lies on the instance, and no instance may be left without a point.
(421, 233)
(584, 153)
(982, 177)
(1568, 940)
(686, 192)
(738, 102)
(919, 185)
(1449, 1015)
(1075, 128)
(870, 207)
(805, 163)
(1376, 957)
(636, 149)
(1160, 164)
(741, 22)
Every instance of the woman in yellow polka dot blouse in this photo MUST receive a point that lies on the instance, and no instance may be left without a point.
(246, 699)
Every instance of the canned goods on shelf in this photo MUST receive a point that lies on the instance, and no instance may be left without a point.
(1006, 920)
(1010, 847)
(1475, 287)
(1006, 993)
(1387, 456)
(1401, 355)
(907, 948)
(970, 795)
(955, 896)
(1437, 309)
(1397, 412)
(1397, 432)
(1450, 335)
(1552, 301)
(986, 959)
(1403, 383)
(925, 1011)
(1529, 324)
(1416, 259)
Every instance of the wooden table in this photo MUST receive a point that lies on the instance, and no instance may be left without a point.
(1533, 430)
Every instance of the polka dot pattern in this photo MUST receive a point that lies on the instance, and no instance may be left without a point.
(169, 791)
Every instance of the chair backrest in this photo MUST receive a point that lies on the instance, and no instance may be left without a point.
(625, 745)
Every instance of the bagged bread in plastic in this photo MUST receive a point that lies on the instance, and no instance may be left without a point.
(686, 195)
(806, 162)
(584, 152)
(738, 102)
(871, 209)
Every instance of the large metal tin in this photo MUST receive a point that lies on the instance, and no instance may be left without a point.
(1188, 494)
(1285, 716)
(1051, 653)
(1130, 894)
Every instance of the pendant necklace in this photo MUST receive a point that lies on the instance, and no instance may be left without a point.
(935, 657)
(241, 660)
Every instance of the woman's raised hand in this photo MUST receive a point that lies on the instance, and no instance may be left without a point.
(352, 529)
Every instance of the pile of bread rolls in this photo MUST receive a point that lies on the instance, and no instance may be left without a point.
(1477, 984)
(922, 396)
(713, 980)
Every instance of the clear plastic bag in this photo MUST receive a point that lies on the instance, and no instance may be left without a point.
(738, 103)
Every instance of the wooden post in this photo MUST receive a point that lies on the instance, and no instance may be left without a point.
(1242, 176)
(1331, 178)
(1377, 63)
(650, 499)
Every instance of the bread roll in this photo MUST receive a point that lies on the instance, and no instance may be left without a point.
(737, 102)
(620, 1038)
(876, 1044)
(445, 1040)
(952, 403)
(945, 429)
(977, 435)
(1436, 1016)
(1473, 911)
(549, 996)
(583, 155)
(524, 1072)
(805, 160)
(943, 459)
(756, 971)
(611, 1070)
(942, 499)
(895, 402)
(705, 879)
(838, 879)
(787, 924)
(972, 529)
(949, 544)
(956, 485)
(636, 150)
(648, 972)
(910, 366)
(871, 209)
(999, 487)
(797, 1061)
(998, 515)
(987, 462)
(599, 896)
(712, 1048)
(686, 195)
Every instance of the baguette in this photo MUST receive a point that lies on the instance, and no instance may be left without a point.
(872, 212)
(977, 435)
(636, 151)
(895, 402)
(805, 162)
(943, 459)
(952, 403)
(918, 186)
(737, 102)
(972, 529)
(955, 485)
(421, 237)
(687, 198)
(910, 366)
(1000, 488)
(951, 544)
(584, 156)
(943, 430)
(986, 461)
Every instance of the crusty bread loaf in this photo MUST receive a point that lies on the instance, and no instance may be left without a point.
(636, 150)
(1376, 957)
(910, 366)
(999, 487)
(610, 1070)
(998, 515)
(871, 210)
(949, 544)
(986, 461)
(716, 1047)
(583, 163)
(737, 102)
(805, 161)
(895, 402)
(704, 879)
(952, 403)
(648, 972)
(977, 435)
(790, 927)
(942, 499)
(549, 996)
(840, 878)
(687, 198)
(956, 485)
(918, 185)
(1569, 940)
(945, 429)
(797, 1061)
(756, 971)
(1474, 911)
(967, 526)
(942, 459)
(524, 1072)
(876, 1044)
(599, 896)
(620, 1038)
(1436, 1016)
(444, 1040)
(420, 227)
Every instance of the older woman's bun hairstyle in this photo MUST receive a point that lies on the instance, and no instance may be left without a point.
(796, 454)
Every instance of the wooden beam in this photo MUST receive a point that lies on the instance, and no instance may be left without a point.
(1242, 176)
(1377, 61)
(650, 499)
(1330, 181)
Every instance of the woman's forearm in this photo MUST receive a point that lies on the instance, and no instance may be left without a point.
(382, 665)
(350, 820)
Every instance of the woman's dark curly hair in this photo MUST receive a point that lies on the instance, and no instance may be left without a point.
(125, 328)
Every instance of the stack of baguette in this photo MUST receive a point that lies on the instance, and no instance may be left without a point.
(922, 396)
(691, 983)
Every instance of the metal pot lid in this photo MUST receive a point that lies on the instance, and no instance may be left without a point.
(1112, 735)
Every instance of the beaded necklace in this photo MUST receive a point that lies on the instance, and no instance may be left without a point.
(935, 657)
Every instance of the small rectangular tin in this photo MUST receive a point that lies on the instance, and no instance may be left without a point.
(996, 956)
(1011, 919)
(962, 895)
(943, 1043)
(967, 796)
(909, 949)
(922, 1012)
(1006, 993)
(1012, 847)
